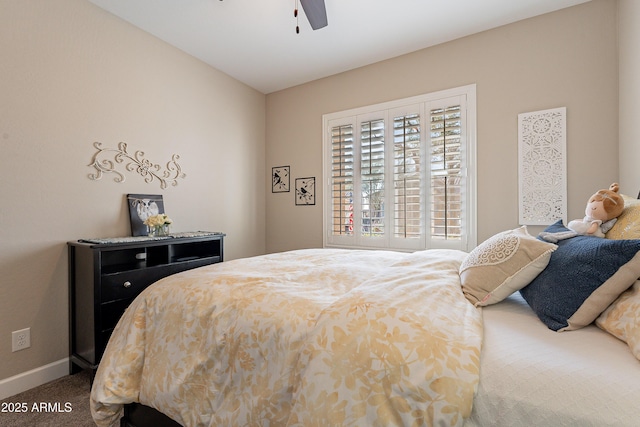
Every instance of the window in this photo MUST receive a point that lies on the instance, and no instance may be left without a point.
(401, 175)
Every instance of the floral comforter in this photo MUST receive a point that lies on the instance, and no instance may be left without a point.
(316, 337)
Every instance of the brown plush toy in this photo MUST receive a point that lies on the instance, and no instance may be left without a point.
(603, 210)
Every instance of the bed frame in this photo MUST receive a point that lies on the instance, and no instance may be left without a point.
(138, 415)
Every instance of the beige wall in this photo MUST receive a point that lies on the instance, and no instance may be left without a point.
(72, 74)
(566, 58)
(629, 36)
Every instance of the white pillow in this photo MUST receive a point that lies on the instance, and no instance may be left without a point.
(502, 265)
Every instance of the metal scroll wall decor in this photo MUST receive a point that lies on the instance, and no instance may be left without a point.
(105, 160)
(542, 138)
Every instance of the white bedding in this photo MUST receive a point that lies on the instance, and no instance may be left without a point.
(532, 376)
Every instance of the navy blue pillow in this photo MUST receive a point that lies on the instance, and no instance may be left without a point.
(584, 276)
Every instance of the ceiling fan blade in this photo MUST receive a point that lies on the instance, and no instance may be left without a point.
(316, 13)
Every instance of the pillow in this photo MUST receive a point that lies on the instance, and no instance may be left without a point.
(584, 276)
(503, 264)
(628, 224)
(622, 318)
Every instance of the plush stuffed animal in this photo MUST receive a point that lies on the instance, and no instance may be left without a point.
(603, 210)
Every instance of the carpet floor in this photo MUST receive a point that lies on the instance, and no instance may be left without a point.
(63, 402)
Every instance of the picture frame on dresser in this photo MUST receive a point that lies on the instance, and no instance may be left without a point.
(141, 207)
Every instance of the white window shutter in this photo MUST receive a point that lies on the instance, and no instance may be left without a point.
(342, 159)
(408, 175)
(372, 218)
(401, 175)
(447, 174)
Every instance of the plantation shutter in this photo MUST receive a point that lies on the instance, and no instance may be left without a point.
(408, 175)
(372, 156)
(401, 175)
(342, 179)
(447, 172)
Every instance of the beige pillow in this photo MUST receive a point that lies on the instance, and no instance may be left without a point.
(622, 318)
(503, 264)
(627, 225)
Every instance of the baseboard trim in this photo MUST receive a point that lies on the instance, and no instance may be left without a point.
(33, 378)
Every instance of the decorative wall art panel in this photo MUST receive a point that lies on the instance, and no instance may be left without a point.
(106, 160)
(542, 170)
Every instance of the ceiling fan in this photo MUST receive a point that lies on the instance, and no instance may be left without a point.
(315, 11)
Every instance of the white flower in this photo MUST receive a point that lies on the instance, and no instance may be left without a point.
(157, 220)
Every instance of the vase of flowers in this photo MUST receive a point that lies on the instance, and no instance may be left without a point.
(158, 225)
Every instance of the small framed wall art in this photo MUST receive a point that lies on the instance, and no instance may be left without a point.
(306, 191)
(280, 179)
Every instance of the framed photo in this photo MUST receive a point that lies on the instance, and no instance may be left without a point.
(280, 179)
(141, 207)
(306, 191)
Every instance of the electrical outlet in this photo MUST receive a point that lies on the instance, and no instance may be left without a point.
(20, 339)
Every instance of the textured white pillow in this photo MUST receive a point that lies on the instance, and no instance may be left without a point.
(503, 264)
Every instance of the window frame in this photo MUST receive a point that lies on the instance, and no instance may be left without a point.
(387, 111)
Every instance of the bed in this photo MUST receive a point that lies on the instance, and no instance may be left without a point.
(349, 337)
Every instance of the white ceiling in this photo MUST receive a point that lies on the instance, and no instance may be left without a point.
(255, 40)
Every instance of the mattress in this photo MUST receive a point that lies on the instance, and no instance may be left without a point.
(532, 376)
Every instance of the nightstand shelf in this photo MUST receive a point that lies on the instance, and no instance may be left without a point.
(105, 275)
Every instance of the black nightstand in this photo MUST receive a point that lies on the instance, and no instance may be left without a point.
(105, 275)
